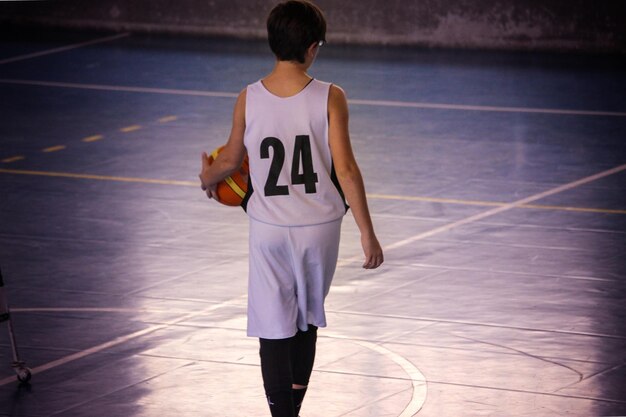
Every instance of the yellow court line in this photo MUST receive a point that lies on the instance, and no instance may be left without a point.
(579, 209)
(98, 177)
(13, 159)
(371, 196)
(92, 138)
(167, 119)
(130, 128)
(54, 148)
(435, 200)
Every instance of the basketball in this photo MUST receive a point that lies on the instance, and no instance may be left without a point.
(233, 189)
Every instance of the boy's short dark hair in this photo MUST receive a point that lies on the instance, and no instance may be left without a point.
(292, 27)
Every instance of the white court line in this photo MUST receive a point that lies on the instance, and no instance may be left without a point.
(478, 323)
(492, 212)
(122, 88)
(444, 106)
(122, 339)
(93, 310)
(417, 378)
(62, 48)
(383, 103)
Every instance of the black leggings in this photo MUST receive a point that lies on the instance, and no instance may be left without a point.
(285, 362)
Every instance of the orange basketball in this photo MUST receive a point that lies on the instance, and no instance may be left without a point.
(232, 190)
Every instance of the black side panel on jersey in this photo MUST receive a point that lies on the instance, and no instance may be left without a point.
(335, 180)
(244, 202)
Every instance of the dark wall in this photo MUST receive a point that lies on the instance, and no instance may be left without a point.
(597, 26)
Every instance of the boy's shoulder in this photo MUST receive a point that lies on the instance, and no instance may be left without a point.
(336, 94)
(336, 89)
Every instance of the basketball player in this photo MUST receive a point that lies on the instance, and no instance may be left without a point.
(295, 131)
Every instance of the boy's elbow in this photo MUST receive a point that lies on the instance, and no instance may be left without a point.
(348, 173)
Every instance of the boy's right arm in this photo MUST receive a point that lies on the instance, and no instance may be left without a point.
(231, 156)
(349, 175)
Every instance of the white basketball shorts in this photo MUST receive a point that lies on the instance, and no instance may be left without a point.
(291, 269)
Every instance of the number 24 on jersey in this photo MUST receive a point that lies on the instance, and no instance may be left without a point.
(302, 162)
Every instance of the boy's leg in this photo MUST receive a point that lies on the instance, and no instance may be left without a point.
(302, 359)
(316, 248)
(277, 375)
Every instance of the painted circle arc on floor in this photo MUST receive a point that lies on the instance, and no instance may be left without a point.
(418, 380)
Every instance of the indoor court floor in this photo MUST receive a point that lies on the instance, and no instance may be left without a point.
(496, 181)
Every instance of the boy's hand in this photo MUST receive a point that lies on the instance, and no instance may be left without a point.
(211, 192)
(373, 252)
(204, 172)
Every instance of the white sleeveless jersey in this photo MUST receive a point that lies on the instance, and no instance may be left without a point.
(292, 178)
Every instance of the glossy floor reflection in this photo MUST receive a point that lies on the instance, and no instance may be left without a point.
(497, 183)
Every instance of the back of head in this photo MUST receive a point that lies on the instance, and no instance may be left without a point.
(292, 27)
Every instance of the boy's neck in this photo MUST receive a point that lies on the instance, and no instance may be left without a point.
(287, 78)
(290, 69)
